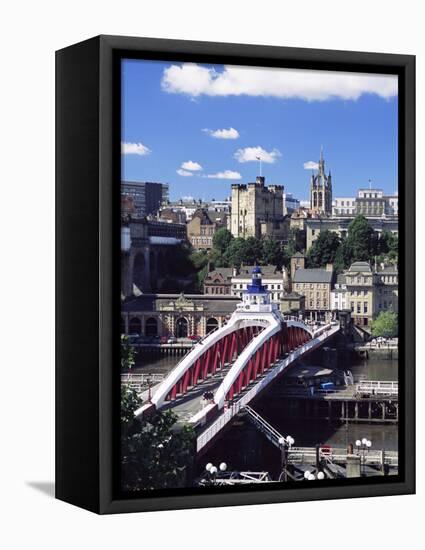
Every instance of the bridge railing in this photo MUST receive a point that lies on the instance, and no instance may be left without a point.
(378, 387)
(302, 455)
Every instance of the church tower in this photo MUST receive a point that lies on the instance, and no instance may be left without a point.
(321, 190)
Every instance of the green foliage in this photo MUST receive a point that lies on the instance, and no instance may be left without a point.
(128, 354)
(182, 265)
(272, 253)
(235, 253)
(385, 325)
(361, 240)
(324, 249)
(155, 457)
(387, 248)
(130, 402)
(222, 239)
(252, 251)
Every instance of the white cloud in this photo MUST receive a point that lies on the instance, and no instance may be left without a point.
(311, 165)
(184, 173)
(128, 148)
(196, 80)
(190, 165)
(225, 175)
(229, 133)
(249, 154)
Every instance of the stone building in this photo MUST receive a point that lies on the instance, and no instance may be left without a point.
(316, 286)
(359, 281)
(147, 251)
(219, 281)
(175, 315)
(257, 210)
(314, 226)
(321, 190)
(201, 230)
(292, 303)
(366, 292)
(339, 295)
(297, 262)
(371, 203)
(386, 289)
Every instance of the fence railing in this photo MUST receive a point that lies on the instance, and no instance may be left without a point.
(138, 382)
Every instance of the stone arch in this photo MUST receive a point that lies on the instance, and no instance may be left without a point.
(135, 326)
(139, 270)
(182, 327)
(153, 264)
(151, 327)
(212, 324)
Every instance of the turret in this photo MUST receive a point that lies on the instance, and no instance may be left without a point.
(256, 297)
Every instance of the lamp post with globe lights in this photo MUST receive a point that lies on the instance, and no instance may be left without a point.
(363, 445)
(213, 470)
(285, 444)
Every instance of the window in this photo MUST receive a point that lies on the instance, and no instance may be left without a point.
(359, 307)
(352, 307)
(365, 307)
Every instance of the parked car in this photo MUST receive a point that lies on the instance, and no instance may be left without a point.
(195, 337)
(163, 340)
(172, 340)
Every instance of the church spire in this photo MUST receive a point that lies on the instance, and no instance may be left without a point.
(321, 162)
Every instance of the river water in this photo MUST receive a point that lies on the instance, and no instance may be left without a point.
(242, 447)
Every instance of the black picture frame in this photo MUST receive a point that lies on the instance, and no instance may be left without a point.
(87, 269)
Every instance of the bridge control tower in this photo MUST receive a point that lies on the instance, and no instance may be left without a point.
(256, 298)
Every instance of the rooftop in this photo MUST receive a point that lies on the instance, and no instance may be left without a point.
(360, 267)
(313, 276)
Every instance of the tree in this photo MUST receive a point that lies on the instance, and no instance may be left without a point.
(385, 325)
(128, 354)
(235, 252)
(154, 454)
(342, 257)
(222, 239)
(272, 253)
(252, 251)
(324, 249)
(361, 240)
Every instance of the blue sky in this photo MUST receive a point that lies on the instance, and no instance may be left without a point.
(175, 117)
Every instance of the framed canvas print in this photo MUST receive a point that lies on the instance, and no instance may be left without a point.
(235, 274)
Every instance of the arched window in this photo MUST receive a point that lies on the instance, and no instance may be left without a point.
(320, 200)
(212, 324)
(122, 325)
(182, 327)
(315, 199)
(151, 327)
(135, 326)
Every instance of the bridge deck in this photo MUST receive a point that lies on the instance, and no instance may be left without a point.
(189, 404)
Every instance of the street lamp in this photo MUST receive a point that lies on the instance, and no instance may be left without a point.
(309, 476)
(363, 445)
(285, 444)
(213, 470)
